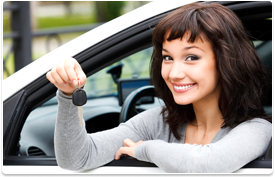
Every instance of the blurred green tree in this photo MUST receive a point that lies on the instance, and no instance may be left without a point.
(108, 10)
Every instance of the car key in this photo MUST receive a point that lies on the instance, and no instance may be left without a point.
(79, 99)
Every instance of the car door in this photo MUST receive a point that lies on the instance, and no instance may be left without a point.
(255, 16)
(19, 106)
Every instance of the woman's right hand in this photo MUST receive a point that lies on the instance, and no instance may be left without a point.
(66, 74)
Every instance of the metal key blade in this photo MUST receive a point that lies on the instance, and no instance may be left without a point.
(80, 115)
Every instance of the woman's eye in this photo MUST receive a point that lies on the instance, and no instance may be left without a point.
(191, 58)
(167, 58)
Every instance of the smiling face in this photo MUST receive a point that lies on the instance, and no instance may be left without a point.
(189, 70)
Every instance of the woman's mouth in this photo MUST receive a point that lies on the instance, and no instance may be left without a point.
(183, 88)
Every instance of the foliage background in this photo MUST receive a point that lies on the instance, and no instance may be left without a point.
(51, 14)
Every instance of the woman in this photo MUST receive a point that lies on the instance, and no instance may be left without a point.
(207, 72)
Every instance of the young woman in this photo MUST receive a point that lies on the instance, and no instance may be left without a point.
(207, 72)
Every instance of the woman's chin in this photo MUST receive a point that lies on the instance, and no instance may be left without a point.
(182, 102)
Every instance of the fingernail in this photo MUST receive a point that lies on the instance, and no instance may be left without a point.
(65, 84)
(75, 82)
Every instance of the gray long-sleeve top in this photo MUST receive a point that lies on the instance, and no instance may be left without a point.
(229, 150)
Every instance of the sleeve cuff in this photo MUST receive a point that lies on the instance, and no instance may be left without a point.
(142, 151)
(60, 93)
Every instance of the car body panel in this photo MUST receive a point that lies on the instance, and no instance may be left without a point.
(58, 170)
(111, 170)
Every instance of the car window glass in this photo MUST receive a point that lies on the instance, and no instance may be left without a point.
(134, 66)
(101, 83)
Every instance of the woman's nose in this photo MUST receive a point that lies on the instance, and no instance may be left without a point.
(177, 71)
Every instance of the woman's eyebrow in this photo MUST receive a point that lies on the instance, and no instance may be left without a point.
(164, 50)
(186, 48)
(193, 46)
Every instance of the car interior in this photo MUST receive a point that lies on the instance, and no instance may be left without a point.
(118, 87)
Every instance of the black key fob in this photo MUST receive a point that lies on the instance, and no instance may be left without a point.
(79, 97)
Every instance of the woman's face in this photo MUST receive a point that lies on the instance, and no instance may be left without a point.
(189, 70)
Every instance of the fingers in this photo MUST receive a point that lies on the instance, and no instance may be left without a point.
(57, 78)
(128, 149)
(138, 143)
(61, 71)
(66, 75)
(70, 66)
(82, 77)
(127, 143)
(122, 150)
(50, 78)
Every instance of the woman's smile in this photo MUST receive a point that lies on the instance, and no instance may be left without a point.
(180, 88)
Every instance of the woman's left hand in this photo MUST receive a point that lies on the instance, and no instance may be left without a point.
(128, 149)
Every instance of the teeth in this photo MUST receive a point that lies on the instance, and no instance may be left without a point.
(183, 87)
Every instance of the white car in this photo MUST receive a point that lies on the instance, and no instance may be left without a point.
(124, 46)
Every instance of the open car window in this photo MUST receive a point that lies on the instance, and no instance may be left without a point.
(134, 66)
(101, 111)
(101, 83)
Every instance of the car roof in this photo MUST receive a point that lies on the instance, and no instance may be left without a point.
(39, 67)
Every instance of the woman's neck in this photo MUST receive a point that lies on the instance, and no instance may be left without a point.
(208, 114)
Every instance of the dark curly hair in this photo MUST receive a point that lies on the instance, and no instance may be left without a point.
(241, 73)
